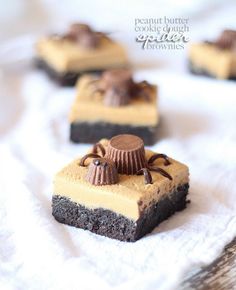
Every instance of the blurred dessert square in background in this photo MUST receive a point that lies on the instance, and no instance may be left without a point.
(79, 50)
(112, 104)
(215, 58)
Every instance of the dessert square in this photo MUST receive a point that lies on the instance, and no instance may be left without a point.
(120, 189)
(80, 50)
(113, 104)
(216, 59)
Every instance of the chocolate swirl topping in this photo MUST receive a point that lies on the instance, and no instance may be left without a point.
(102, 171)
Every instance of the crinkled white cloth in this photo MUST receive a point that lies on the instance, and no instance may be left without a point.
(198, 128)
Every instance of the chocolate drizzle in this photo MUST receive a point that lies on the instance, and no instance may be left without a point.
(99, 146)
(147, 175)
(161, 171)
(158, 156)
(118, 88)
(90, 155)
(125, 154)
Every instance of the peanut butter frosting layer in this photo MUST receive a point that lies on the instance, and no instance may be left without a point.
(63, 55)
(219, 63)
(89, 107)
(129, 197)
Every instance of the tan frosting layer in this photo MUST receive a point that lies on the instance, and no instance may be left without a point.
(63, 55)
(88, 106)
(129, 197)
(219, 63)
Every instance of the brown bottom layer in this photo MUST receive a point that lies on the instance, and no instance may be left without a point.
(85, 132)
(107, 223)
(64, 79)
(200, 71)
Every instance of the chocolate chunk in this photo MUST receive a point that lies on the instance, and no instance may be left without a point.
(102, 171)
(127, 151)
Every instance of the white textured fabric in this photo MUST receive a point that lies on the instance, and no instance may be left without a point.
(198, 128)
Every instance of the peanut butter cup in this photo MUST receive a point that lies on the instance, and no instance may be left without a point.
(78, 28)
(115, 78)
(102, 171)
(117, 97)
(227, 39)
(127, 151)
(83, 35)
(117, 85)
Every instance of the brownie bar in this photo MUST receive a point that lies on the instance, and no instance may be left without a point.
(85, 132)
(199, 71)
(107, 223)
(64, 79)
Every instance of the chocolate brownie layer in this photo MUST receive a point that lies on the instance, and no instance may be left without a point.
(64, 79)
(107, 223)
(199, 71)
(84, 132)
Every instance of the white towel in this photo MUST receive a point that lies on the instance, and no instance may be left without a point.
(198, 128)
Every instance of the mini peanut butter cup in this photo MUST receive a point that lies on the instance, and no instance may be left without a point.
(102, 171)
(77, 28)
(127, 151)
(88, 40)
(83, 35)
(116, 78)
(227, 39)
(117, 97)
